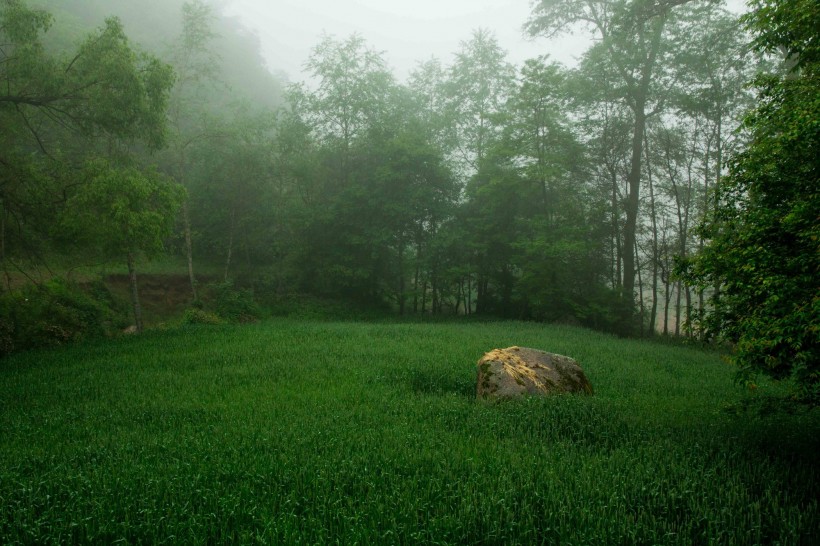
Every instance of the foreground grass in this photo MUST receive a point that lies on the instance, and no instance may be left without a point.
(295, 432)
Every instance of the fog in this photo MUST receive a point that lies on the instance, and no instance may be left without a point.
(408, 32)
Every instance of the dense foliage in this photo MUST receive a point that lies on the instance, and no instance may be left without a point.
(72, 128)
(476, 188)
(762, 261)
(58, 313)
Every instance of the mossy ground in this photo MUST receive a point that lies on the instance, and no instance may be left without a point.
(288, 432)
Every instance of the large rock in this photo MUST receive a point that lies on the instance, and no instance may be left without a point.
(517, 371)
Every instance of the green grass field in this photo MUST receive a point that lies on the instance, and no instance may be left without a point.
(289, 432)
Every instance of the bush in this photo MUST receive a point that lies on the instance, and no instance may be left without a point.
(233, 304)
(55, 313)
(200, 316)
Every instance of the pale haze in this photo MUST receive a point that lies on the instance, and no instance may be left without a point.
(406, 31)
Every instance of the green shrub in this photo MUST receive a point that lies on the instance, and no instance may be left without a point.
(55, 313)
(233, 304)
(200, 316)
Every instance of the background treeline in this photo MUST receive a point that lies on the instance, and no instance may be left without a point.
(475, 187)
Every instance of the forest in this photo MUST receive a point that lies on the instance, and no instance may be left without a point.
(604, 195)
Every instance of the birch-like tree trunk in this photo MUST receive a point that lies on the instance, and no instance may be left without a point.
(135, 296)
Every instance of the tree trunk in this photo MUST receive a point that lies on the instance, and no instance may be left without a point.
(402, 296)
(687, 212)
(654, 219)
(189, 252)
(718, 174)
(667, 298)
(678, 306)
(469, 302)
(479, 297)
(416, 278)
(617, 279)
(633, 200)
(434, 303)
(3, 243)
(135, 297)
(638, 95)
(424, 296)
(459, 295)
(465, 297)
(229, 253)
(640, 291)
(705, 211)
(667, 292)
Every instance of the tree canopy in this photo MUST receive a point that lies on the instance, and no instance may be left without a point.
(476, 187)
(103, 88)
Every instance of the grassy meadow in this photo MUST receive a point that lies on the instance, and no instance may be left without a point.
(298, 432)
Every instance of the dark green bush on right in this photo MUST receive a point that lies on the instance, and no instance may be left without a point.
(200, 316)
(233, 304)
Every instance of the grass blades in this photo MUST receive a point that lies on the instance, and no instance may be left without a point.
(290, 432)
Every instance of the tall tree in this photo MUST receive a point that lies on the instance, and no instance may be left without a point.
(57, 110)
(632, 44)
(428, 87)
(353, 93)
(125, 212)
(711, 95)
(479, 84)
(539, 130)
(234, 193)
(104, 88)
(197, 67)
(373, 170)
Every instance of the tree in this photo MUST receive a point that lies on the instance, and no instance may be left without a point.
(604, 125)
(480, 82)
(539, 132)
(124, 212)
(709, 99)
(415, 192)
(372, 180)
(762, 254)
(479, 85)
(58, 110)
(427, 85)
(237, 202)
(533, 221)
(197, 69)
(104, 89)
(353, 94)
(632, 46)
(337, 123)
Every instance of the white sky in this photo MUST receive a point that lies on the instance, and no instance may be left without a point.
(407, 31)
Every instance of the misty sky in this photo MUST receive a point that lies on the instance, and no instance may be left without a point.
(407, 31)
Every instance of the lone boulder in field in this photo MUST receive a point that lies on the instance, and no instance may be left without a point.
(517, 371)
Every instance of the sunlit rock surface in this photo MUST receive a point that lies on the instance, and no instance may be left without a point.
(517, 371)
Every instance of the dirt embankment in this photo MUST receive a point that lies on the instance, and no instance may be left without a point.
(161, 296)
